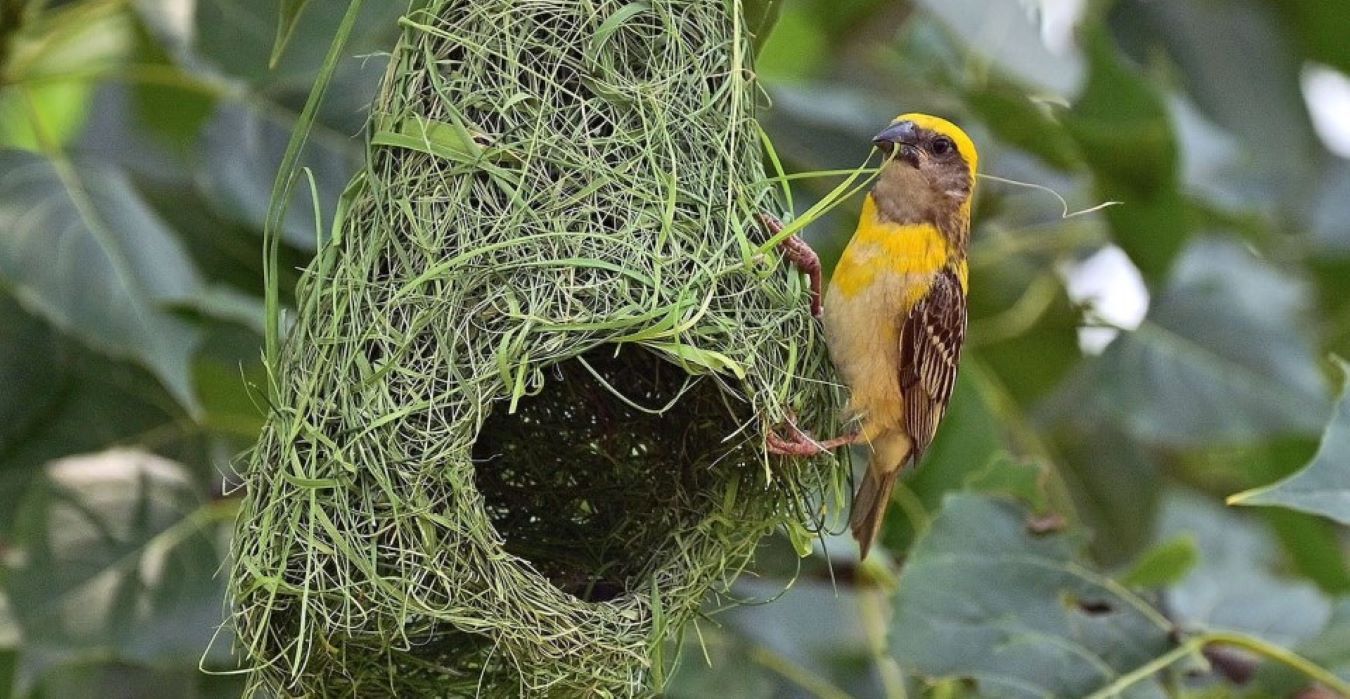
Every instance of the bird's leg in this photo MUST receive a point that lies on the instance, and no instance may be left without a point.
(801, 255)
(802, 444)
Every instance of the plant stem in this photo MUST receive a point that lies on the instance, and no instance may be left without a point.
(1228, 638)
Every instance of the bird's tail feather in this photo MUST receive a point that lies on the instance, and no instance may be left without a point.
(869, 507)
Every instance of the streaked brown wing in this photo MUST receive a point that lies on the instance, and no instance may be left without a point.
(930, 349)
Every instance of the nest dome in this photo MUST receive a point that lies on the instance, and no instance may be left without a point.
(518, 431)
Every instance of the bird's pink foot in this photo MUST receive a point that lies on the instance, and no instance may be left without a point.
(801, 255)
(800, 443)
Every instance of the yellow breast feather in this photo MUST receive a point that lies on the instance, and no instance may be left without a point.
(880, 248)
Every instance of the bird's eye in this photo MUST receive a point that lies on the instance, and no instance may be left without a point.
(942, 146)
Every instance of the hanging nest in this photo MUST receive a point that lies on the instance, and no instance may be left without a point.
(519, 422)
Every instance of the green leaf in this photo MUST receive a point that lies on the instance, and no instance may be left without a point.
(813, 639)
(1114, 484)
(1022, 324)
(1237, 583)
(1164, 564)
(37, 107)
(10, 638)
(286, 21)
(1330, 648)
(707, 360)
(1223, 357)
(760, 18)
(1236, 60)
(90, 677)
(1023, 481)
(1016, 119)
(115, 555)
(1121, 112)
(242, 145)
(1319, 25)
(1019, 614)
(1323, 486)
(118, 268)
(445, 140)
(796, 50)
(61, 398)
(236, 37)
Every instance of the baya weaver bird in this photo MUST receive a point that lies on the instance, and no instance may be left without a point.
(895, 311)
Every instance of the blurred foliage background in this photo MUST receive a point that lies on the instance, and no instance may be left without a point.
(1127, 370)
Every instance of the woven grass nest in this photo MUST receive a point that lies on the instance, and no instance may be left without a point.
(518, 431)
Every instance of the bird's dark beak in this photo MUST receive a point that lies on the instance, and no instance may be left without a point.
(902, 135)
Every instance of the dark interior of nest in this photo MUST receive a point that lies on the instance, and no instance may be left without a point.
(596, 490)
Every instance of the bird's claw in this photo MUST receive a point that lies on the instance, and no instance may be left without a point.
(801, 443)
(798, 445)
(801, 255)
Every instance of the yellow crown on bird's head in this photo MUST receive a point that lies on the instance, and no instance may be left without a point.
(964, 145)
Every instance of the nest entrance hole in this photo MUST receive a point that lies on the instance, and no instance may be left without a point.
(597, 492)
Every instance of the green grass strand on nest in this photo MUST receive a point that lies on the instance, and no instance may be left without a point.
(517, 435)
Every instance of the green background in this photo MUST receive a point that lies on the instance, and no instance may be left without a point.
(140, 139)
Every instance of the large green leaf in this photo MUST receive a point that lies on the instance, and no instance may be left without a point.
(1236, 585)
(982, 598)
(1323, 486)
(243, 144)
(1238, 62)
(1114, 483)
(115, 556)
(1223, 357)
(91, 678)
(82, 250)
(1330, 648)
(61, 398)
(1006, 34)
(812, 639)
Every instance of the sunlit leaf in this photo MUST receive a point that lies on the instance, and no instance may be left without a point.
(1323, 486)
(760, 18)
(115, 555)
(119, 265)
(48, 72)
(982, 598)
(1011, 37)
